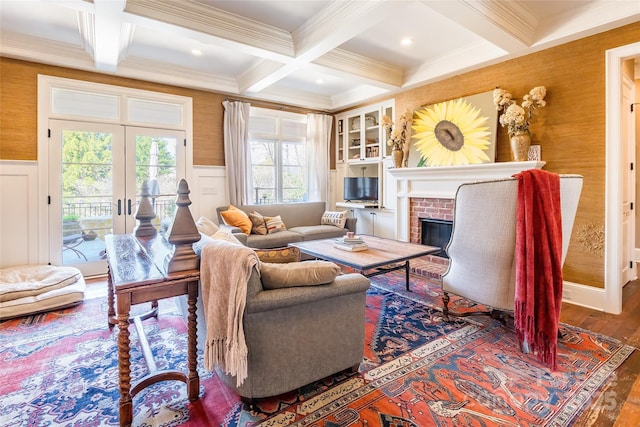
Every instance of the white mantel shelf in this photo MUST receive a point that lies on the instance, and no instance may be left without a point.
(442, 182)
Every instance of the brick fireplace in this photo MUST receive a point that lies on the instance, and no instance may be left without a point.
(429, 192)
(431, 208)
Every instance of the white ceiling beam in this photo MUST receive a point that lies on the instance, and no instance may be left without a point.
(507, 24)
(370, 71)
(335, 24)
(108, 28)
(222, 28)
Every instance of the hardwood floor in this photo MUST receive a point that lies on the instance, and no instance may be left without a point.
(619, 404)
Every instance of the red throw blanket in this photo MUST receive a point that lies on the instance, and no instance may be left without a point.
(539, 263)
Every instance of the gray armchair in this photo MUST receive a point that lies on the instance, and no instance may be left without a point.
(482, 244)
(297, 335)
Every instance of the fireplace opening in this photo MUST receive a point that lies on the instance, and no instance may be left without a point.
(436, 232)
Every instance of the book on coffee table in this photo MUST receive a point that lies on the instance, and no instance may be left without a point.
(350, 240)
(352, 247)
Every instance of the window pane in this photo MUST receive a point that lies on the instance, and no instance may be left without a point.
(292, 154)
(264, 184)
(277, 150)
(262, 152)
(293, 188)
(264, 171)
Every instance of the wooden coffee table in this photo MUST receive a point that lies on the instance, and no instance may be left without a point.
(382, 256)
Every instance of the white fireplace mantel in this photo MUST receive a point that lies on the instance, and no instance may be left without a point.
(442, 182)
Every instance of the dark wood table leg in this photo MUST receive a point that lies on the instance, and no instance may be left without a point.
(124, 364)
(110, 298)
(406, 274)
(193, 381)
(154, 308)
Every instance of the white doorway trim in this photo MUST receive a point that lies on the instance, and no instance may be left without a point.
(613, 176)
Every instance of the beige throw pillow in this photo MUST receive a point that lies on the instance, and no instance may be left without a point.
(258, 226)
(206, 226)
(306, 273)
(225, 235)
(274, 224)
(337, 218)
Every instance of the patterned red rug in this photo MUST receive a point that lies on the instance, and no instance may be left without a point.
(60, 368)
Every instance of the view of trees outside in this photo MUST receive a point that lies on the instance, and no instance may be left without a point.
(264, 163)
(87, 171)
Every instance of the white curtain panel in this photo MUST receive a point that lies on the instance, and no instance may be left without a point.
(236, 153)
(318, 140)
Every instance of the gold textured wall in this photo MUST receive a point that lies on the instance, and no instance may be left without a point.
(19, 101)
(570, 129)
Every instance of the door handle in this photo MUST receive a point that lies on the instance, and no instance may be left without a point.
(129, 207)
(119, 207)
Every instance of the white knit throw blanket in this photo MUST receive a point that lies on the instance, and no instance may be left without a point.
(225, 269)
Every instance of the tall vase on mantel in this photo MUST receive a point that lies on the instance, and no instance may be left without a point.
(520, 143)
(397, 155)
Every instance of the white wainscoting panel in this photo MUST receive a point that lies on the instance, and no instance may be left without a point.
(18, 213)
(208, 191)
(583, 295)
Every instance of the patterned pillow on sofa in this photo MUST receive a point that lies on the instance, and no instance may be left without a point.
(337, 218)
(278, 255)
(274, 224)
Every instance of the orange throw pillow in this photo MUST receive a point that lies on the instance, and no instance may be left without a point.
(237, 218)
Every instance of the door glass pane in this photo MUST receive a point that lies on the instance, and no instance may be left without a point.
(156, 163)
(87, 173)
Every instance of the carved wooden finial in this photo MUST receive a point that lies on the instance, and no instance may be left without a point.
(145, 213)
(182, 233)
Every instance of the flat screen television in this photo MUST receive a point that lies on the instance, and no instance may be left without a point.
(360, 188)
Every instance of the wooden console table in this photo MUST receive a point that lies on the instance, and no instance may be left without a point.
(137, 274)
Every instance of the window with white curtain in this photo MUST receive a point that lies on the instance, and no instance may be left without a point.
(277, 143)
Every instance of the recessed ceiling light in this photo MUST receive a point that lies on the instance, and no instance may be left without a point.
(196, 52)
(407, 41)
(319, 81)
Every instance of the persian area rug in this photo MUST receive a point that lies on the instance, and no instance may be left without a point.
(60, 368)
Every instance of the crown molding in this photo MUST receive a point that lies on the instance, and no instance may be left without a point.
(160, 72)
(61, 54)
(297, 98)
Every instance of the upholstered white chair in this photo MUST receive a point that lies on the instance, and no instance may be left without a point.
(482, 244)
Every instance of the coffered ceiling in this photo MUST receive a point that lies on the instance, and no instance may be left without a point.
(320, 54)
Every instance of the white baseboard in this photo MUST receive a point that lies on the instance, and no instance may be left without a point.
(585, 296)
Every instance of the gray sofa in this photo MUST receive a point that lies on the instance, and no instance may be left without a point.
(301, 219)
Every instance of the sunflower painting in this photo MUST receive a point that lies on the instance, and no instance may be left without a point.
(456, 132)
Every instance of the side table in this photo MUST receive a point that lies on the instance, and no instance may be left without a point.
(137, 274)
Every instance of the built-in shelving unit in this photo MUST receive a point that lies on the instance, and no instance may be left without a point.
(361, 150)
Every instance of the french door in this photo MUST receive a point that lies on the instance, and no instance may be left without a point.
(96, 172)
